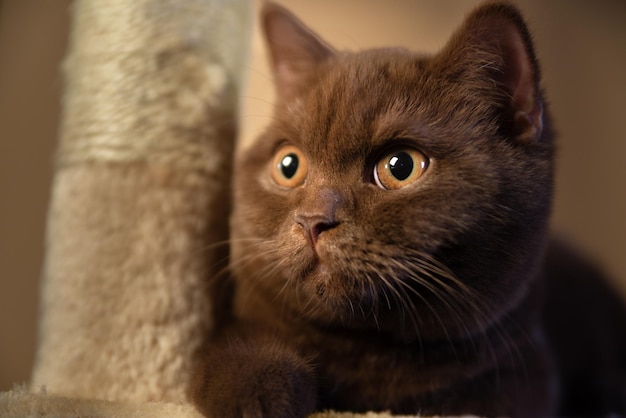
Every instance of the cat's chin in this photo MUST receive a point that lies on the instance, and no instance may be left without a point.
(319, 281)
(333, 296)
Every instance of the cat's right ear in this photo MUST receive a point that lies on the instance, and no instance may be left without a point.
(494, 46)
(295, 51)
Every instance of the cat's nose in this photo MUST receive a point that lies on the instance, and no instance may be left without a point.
(314, 225)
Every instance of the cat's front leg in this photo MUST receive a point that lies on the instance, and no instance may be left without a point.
(254, 378)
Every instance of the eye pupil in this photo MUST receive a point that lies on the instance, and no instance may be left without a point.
(289, 165)
(401, 165)
(399, 168)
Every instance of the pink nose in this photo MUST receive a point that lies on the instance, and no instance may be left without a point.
(314, 225)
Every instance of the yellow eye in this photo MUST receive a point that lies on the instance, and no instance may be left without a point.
(399, 168)
(289, 167)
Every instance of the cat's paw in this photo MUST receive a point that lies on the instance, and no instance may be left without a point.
(255, 380)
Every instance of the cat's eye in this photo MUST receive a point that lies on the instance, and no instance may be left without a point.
(289, 167)
(399, 168)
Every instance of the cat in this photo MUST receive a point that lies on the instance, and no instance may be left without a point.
(390, 241)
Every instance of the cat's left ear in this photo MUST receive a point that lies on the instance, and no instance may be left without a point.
(295, 51)
(495, 39)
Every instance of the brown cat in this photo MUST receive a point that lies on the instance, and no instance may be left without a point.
(390, 241)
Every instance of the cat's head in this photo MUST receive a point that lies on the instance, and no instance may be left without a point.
(394, 188)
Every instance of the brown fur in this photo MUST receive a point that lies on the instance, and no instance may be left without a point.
(423, 299)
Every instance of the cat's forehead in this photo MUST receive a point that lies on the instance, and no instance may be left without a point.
(360, 100)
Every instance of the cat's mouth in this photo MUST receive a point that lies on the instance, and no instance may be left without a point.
(321, 276)
(317, 269)
(325, 282)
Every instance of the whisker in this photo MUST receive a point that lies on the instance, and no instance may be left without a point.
(428, 304)
(468, 302)
(405, 304)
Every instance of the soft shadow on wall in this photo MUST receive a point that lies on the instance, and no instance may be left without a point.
(33, 36)
(582, 47)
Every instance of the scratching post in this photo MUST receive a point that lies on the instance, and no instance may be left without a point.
(140, 196)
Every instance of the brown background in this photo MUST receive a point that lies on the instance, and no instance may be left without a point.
(581, 44)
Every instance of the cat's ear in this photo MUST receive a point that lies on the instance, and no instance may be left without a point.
(295, 51)
(495, 40)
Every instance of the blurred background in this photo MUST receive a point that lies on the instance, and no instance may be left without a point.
(581, 46)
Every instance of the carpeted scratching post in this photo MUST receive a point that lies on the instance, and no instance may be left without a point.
(141, 195)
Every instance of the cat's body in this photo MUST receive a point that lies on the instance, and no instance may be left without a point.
(390, 232)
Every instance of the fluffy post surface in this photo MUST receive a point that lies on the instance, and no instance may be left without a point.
(21, 403)
(140, 196)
